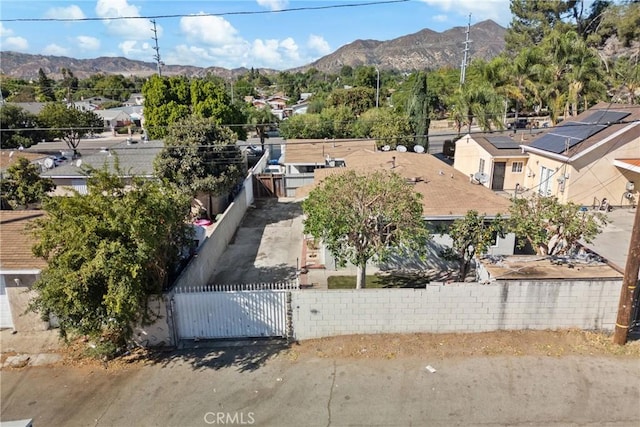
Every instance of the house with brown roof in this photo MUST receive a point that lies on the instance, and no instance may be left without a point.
(592, 159)
(447, 194)
(19, 269)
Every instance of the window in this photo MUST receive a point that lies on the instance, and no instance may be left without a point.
(516, 167)
(544, 188)
(481, 166)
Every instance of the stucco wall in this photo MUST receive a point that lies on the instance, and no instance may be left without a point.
(203, 265)
(457, 307)
(19, 296)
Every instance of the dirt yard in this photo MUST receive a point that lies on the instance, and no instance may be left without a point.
(398, 346)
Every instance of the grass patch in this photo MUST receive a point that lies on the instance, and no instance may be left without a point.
(375, 281)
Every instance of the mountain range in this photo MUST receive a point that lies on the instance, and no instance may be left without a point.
(425, 49)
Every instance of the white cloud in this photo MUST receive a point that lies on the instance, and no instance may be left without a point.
(15, 43)
(128, 47)
(88, 43)
(265, 52)
(211, 30)
(5, 31)
(273, 4)
(439, 18)
(131, 29)
(54, 49)
(69, 12)
(318, 44)
(498, 10)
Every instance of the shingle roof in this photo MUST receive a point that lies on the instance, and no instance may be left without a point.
(490, 143)
(315, 151)
(16, 242)
(446, 192)
(135, 159)
(7, 159)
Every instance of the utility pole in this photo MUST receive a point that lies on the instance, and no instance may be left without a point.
(463, 69)
(377, 86)
(156, 48)
(629, 283)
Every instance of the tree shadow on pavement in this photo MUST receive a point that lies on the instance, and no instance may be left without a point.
(247, 355)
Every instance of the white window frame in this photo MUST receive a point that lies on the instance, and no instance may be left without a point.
(481, 166)
(517, 167)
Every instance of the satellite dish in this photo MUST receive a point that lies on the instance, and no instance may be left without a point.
(481, 177)
(79, 162)
(386, 148)
(418, 148)
(401, 149)
(49, 163)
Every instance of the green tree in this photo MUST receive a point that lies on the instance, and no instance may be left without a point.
(472, 236)
(22, 186)
(107, 252)
(201, 156)
(421, 104)
(69, 124)
(45, 87)
(359, 99)
(261, 120)
(19, 127)
(362, 217)
(551, 227)
(389, 127)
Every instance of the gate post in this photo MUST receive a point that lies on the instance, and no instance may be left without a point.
(289, 319)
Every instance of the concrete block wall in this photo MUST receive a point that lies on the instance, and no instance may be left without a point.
(457, 307)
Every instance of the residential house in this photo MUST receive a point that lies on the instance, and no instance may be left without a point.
(134, 159)
(447, 194)
(592, 159)
(19, 269)
(114, 118)
(133, 111)
(136, 99)
(301, 157)
(9, 157)
(493, 160)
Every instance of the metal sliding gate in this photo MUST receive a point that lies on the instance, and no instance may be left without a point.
(233, 311)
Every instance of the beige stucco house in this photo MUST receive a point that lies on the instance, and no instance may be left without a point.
(493, 160)
(589, 158)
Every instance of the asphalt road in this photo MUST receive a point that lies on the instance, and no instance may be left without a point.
(265, 388)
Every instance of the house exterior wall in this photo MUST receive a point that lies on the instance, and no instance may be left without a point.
(595, 176)
(589, 178)
(512, 178)
(19, 296)
(546, 185)
(457, 307)
(467, 157)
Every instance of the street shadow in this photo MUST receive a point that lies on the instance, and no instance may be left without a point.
(243, 355)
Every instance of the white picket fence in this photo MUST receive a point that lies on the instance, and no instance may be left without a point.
(232, 311)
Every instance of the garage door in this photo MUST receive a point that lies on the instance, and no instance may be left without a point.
(5, 310)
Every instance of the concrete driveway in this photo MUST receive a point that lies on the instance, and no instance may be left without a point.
(267, 246)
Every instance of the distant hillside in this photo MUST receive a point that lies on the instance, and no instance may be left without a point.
(424, 49)
(421, 50)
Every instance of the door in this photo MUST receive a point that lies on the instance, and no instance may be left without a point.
(5, 310)
(497, 182)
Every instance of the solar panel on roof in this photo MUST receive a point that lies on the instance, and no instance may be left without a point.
(503, 142)
(605, 117)
(565, 137)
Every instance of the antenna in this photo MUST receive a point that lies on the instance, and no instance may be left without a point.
(463, 70)
(159, 63)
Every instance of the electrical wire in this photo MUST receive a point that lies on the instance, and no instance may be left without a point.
(182, 15)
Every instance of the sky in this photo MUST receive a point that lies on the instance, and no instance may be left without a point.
(228, 34)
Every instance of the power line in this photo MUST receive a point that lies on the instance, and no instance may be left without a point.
(182, 15)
